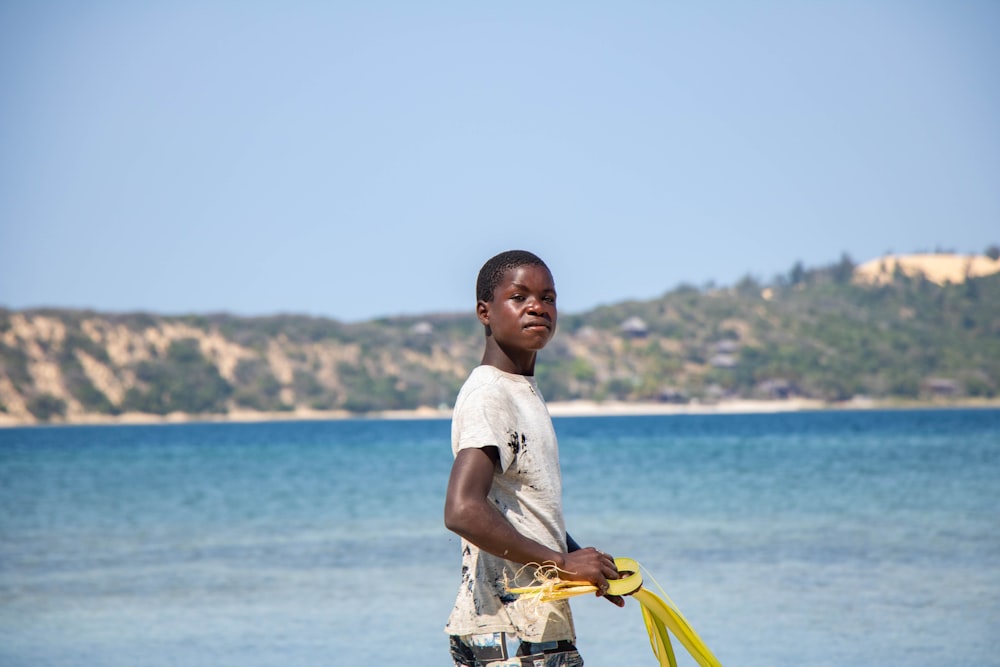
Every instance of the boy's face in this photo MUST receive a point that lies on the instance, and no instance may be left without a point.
(522, 313)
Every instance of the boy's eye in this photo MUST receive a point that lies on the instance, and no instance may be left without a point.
(550, 299)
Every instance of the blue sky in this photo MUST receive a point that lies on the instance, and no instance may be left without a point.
(355, 160)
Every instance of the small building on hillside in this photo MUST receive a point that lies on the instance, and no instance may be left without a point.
(423, 328)
(942, 387)
(775, 388)
(723, 361)
(635, 327)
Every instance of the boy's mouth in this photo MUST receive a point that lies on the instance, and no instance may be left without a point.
(537, 324)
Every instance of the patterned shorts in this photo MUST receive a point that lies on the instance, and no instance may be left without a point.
(499, 649)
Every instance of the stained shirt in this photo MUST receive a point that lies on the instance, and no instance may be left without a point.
(506, 411)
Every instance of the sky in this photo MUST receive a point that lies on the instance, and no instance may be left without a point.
(360, 160)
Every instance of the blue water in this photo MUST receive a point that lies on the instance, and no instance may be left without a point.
(828, 538)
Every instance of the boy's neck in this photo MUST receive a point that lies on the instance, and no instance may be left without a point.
(518, 364)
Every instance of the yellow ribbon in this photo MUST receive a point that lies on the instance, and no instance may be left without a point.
(658, 615)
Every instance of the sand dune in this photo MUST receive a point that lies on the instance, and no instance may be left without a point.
(938, 268)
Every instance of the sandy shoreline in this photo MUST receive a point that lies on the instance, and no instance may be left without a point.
(556, 408)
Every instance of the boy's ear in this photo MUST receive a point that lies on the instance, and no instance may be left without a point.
(483, 312)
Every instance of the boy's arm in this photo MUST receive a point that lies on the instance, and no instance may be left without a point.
(469, 513)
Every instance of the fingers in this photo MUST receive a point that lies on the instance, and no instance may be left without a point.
(593, 565)
(608, 570)
(608, 566)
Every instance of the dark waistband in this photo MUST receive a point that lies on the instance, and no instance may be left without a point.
(533, 648)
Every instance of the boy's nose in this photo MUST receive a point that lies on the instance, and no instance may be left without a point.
(537, 305)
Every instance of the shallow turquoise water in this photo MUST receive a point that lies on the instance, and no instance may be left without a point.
(863, 538)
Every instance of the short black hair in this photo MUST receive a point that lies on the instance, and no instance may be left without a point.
(495, 267)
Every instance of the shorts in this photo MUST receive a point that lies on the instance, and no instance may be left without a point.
(499, 649)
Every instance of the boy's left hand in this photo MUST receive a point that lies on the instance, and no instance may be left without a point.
(595, 566)
(616, 600)
(607, 570)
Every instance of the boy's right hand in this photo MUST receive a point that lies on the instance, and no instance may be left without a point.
(593, 566)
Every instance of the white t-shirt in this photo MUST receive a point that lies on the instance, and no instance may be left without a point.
(506, 411)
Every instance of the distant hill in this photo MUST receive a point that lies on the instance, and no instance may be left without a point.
(833, 333)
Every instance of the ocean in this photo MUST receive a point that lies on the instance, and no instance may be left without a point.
(816, 538)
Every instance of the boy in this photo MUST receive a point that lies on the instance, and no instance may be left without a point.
(505, 491)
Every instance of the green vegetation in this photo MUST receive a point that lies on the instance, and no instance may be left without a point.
(814, 334)
(46, 406)
(810, 333)
(184, 381)
(256, 388)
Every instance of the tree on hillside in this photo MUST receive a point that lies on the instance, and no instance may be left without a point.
(184, 381)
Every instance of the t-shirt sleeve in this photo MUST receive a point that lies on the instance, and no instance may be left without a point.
(485, 420)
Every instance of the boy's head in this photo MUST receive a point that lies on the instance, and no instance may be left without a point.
(516, 303)
(497, 267)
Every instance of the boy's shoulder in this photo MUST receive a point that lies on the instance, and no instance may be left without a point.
(481, 378)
